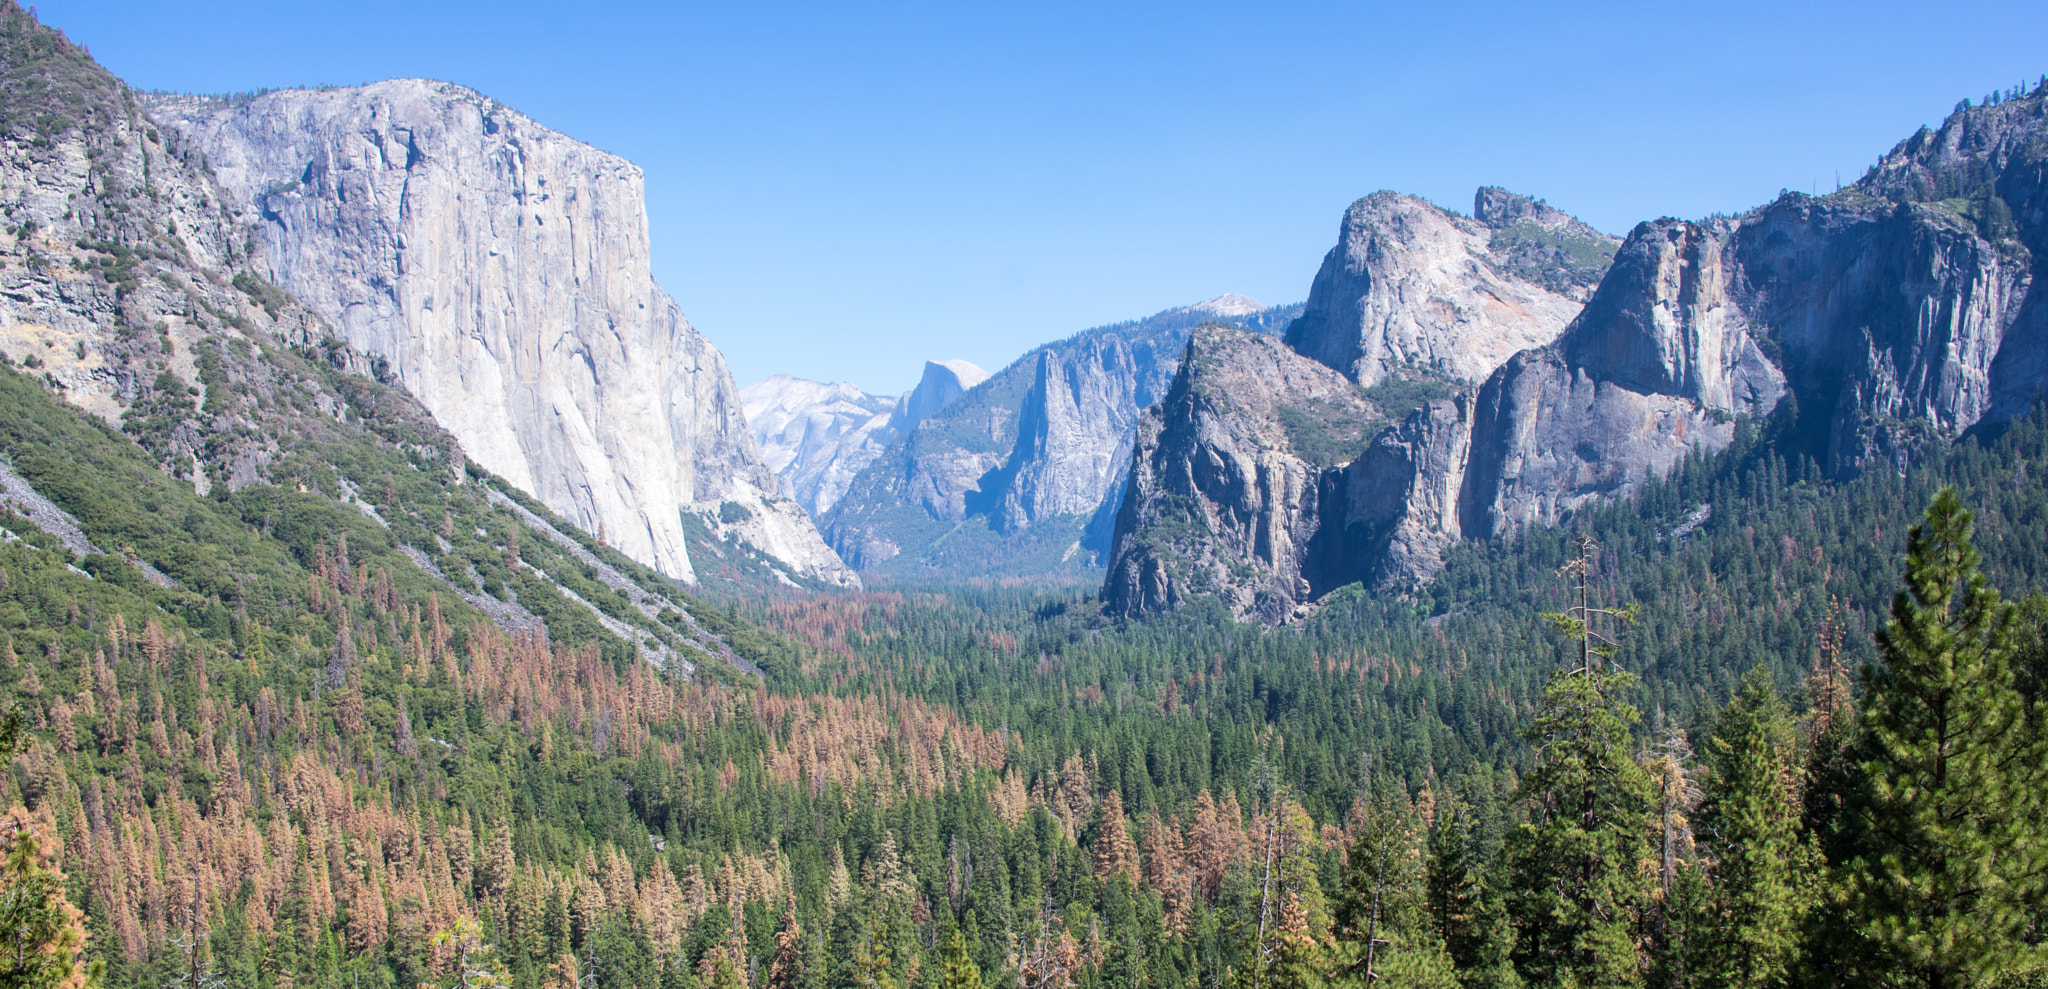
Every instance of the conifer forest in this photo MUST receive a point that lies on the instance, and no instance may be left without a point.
(367, 715)
(1802, 745)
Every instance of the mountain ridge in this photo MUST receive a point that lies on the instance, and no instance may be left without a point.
(816, 435)
(1019, 477)
(1901, 311)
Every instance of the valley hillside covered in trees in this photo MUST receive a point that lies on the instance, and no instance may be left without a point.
(296, 695)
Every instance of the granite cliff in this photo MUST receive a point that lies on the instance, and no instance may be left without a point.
(126, 294)
(1232, 478)
(1414, 291)
(1904, 310)
(817, 436)
(1020, 476)
(498, 271)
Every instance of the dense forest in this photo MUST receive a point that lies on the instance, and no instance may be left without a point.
(375, 720)
(1634, 751)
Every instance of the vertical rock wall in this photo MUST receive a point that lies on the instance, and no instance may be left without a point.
(500, 272)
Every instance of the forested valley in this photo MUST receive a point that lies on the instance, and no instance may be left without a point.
(1751, 727)
(368, 717)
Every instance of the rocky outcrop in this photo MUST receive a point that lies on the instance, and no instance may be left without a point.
(1401, 498)
(1237, 482)
(1021, 476)
(817, 436)
(1663, 360)
(1543, 245)
(1904, 310)
(1414, 291)
(499, 272)
(125, 289)
(942, 382)
(114, 277)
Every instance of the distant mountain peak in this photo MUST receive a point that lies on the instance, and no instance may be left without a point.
(1229, 304)
(968, 372)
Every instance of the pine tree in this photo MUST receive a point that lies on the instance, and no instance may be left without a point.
(957, 971)
(1378, 912)
(1956, 851)
(1113, 851)
(42, 934)
(786, 966)
(1763, 868)
(1299, 958)
(460, 952)
(1575, 884)
(1451, 890)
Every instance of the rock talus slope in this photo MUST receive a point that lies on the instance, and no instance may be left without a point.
(499, 271)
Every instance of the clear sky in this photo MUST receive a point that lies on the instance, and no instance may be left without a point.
(842, 190)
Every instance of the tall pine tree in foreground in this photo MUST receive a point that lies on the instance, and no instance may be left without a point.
(1575, 876)
(1763, 873)
(1955, 848)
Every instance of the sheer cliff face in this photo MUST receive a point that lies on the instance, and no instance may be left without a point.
(1228, 494)
(1903, 310)
(1413, 291)
(500, 271)
(1021, 475)
(941, 383)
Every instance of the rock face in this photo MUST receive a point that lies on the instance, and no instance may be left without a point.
(1236, 487)
(499, 271)
(1904, 310)
(817, 436)
(943, 382)
(1414, 291)
(1662, 361)
(1021, 475)
(113, 284)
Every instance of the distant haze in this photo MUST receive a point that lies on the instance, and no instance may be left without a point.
(844, 191)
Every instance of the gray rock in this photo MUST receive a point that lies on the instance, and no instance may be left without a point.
(1022, 475)
(1902, 311)
(500, 272)
(817, 436)
(943, 381)
(1236, 482)
(1414, 291)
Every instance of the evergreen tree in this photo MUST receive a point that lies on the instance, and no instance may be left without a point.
(957, 970)
(1380, 918)
(786, 965)
(1956, 852)
(42, 934)
(1451, 891)
(1576, 882)
(1300, 958)
(1749, 826)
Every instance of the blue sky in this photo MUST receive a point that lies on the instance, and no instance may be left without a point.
(841, 191)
